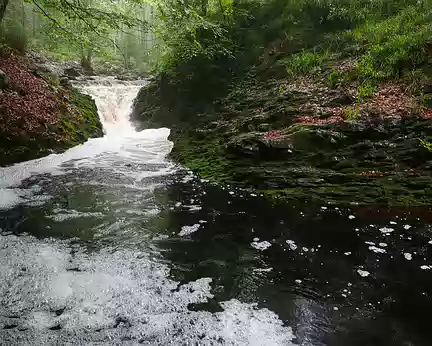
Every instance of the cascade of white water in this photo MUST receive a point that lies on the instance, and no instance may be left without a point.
(114, 100)
(121, 146)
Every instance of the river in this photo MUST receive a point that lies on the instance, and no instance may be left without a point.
(111, 243)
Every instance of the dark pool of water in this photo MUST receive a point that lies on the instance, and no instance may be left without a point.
(335, 275)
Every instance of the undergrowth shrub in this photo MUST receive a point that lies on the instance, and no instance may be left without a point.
(306, 62)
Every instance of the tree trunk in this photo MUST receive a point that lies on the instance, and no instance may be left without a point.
(86, 57)
(3, 5)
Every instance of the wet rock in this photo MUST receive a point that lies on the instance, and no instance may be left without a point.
(248, 143)
(73, 269)
(339, 100)
(56, 327)
(264, 127)
(65, 82)
(72, 72)
(296, 144)
(312, 137)
(60, 311)
(122, 322)
(127, 77)
(10, 326)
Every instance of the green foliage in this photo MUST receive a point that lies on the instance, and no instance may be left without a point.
(394, 43)
(365, 90)
(216, 41)
(425, 143)
(306, 62)
(333, 79)
(107, 31)
(188, 32)
(16, 38)
(352, 113)
(388, 36)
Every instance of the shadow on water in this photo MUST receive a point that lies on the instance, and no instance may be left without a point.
(337, 276)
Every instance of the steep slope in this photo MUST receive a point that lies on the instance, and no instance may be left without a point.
(334, 110)
(38, 115)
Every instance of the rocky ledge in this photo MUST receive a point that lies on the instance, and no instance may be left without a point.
(39, 114)
(302, 141)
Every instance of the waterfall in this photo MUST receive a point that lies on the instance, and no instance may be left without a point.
(114, 100)
(122, 151)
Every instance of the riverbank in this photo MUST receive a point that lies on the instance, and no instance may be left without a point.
(336, 117)
(41, 113)
(295, 144)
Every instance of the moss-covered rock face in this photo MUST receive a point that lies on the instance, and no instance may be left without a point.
(77, 121)
(38, 116)
(298, 145)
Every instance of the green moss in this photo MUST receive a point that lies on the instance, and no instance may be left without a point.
(366, 161)
(305, 175)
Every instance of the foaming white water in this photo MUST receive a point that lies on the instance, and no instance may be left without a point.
(110, 296)
(117, 151)
(115, 294)
(114, 101)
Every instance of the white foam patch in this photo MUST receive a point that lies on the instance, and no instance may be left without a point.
(10, 198)
(187, 230)
(263, 270)
(363, 273)
(408, 256)
(119, 287)
(377, 249)
(66, 214)
(261, 246)
(386, 230)
(193, 207)
(292, 245)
